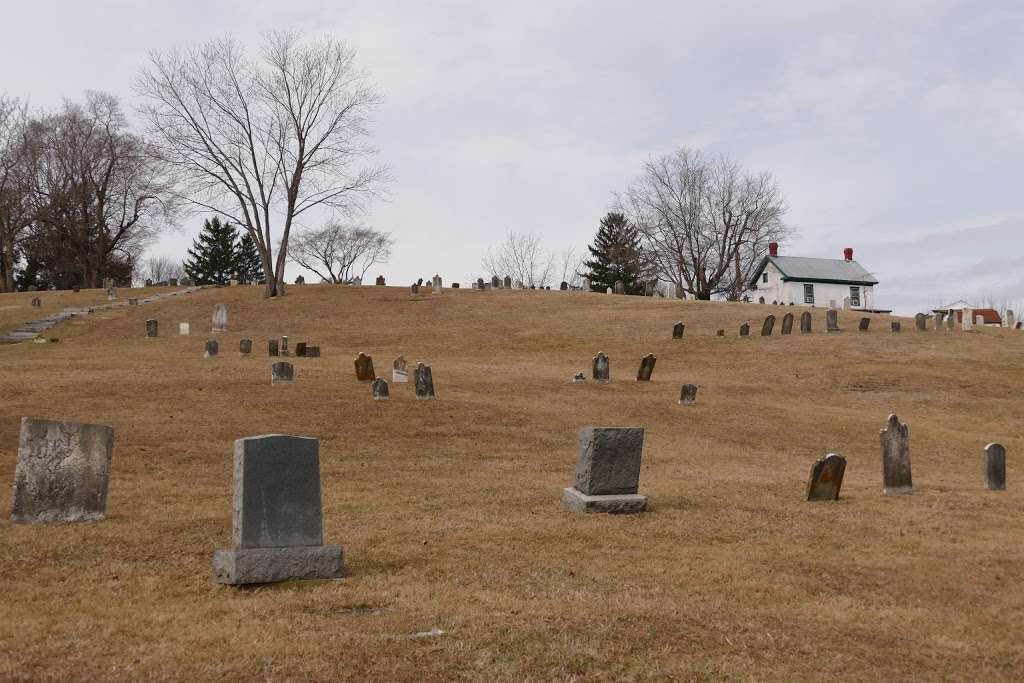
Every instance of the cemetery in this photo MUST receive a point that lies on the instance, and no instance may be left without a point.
(495, 508)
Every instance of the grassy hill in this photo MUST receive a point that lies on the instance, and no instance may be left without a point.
(449, 510)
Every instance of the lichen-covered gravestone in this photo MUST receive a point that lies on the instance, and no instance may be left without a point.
(62, 472)
(864, 324)
(643, 374)
(245, 347)
(896, 457)
(995, 467)
(277, 524)
(380, 389)
(600, 368)
(805, 322)
(787, 324)
(920, 322)
(607, 471)
(826, 478)
(400, 371)
(364, 368)
(423, 379)
(281, 372)
(832, 320)
(688, 395)
(211, 348)
(220, 318)
(677, 330)
(152, 328)
(768, 326)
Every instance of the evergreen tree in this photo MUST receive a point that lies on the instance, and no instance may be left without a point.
(212, 260)
(247, 260)
(616, 255)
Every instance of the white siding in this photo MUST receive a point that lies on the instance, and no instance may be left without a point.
(785, 293)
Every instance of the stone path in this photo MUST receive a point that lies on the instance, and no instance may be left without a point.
(33, 328)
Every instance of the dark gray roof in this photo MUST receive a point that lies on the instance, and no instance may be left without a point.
(818, 270)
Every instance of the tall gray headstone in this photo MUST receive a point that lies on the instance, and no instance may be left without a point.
(896, 457)
(380, 389)
(995, 467)
(688, 395)
(423, 378)
(787, 324)
(832, 320)
(364, 368)
(600, 368)
(646, 368)
(281, 372)
(826, 478)
(1010, 319)
(607, 471)
(62, 472)
(920, 322)
(151, 328)
(951, 321)
(805, 322)
(220, 318)
(277, 525)
(768, 326)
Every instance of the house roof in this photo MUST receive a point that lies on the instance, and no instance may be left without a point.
(803, 269)
(990, 315)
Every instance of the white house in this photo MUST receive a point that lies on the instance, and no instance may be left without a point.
(813, 281)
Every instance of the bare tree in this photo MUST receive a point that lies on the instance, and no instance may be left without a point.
(339, 253)
(572, 266)
(263, 141)
(706, 223)
(522, 257)
(15, 186)
(162, 268)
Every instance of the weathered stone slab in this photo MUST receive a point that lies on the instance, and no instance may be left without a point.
(832, 320)
(312, 352)
(995, 467)
(62, 472)
(241, 566)
(787, 324)
(300, 349)
(951, 321)
(968, 319)
(220, 318)
(600, 368)
(281, 372)
(400, 371)
(895, 440)
(364, 368)
(720, 333)
(1009, 319)
(424, 381)
(414, 289)
(613, 504)
(380, 389)
(826, 478)
(284, 346)
(768, 326)
(940, 320)
(507, 283)
(646, 368)
(745, 330)
(677, 330)
(272, 348)
(865, 323)
(436, 284)
(380, 282)
(579, 377)
(211, 349)
(608, 460)
(619, 287)
(245, 347)
(152, 328)
(895, 326)
(920, 322)
(688, 395)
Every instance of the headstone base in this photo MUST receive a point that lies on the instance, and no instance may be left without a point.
(238, 566)
(621, 504)
(897, 490)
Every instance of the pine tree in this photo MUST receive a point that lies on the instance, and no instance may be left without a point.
(212, 260)
(247, 260)
(617, 255)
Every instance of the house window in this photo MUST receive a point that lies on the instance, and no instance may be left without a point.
(808, 294)
(764, 277)
(855, 296)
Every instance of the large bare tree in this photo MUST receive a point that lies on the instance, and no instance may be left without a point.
(339, 253)
(15, 186)
(522, 257)
(705, 221)
(262, 141)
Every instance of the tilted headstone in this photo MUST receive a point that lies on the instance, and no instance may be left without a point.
(745, 330)
(245, 347)
(646, 368)
(846, 303)
(607, 471)
(832, 320)
(211, 348)
(424, 381)
(272, 348)
(380, 389)
(620, 287)
(787, 324)
(281, 371)
(864, 324)
(151, 328)
(62, 472)
(364, 368)
(688, 395)
(826, 478)
(768, 326)
(183, 329)
(508, 282)
(805, 322)
(677, 330)
(896, 457)
(277, 525)
(400, 371)
(220, 318)
(920, 322)
(579, 377)
(600, 368)
(380, 282)
(895, 326)
(995, 467)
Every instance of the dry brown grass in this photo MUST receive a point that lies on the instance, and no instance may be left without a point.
(449, 510)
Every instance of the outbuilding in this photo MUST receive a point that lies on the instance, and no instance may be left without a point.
(803, 281)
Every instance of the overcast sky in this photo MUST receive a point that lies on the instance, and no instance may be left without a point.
(893, 128)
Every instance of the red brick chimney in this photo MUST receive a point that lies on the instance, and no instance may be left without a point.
(848, 254)
(773, 248)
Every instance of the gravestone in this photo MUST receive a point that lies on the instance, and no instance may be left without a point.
(272, 348)
(357, 281)
(979, 320)
(173, 282)
(312, 352)
(37, 302)
(1010, 318)
(380, 389)
(479, 284)
(133, 302)
(62, 472)
(951, 321)
(495, 282)
(620, 287)
(579, 377)
(745, 330)
(424, 381)
(111, 293)
(277, 525)
(300, 280)
(608, 290)
(846, 304)
(414, 289)
(646, 368)
(399, 371)
(768, 326)
(895, 326)
(564, 286)
(149, 283)
(826, 478)
(920, 322)
(940, 318)
(720, 333)
(151, 328)
(364, 368)
(864, 324)
(508, 282)
(787, 324)
(437, 284)
(211, 348)
(805, 322)
(895, 440)
(600, 368)
(688, 395)
(677, 330)
(585, 284)
(220, 318)
(281, 371)
(832, 320)
(519, 284)
(245, 347)
(300, 349)
(649, 289)
(607, 471)
(995, 467)
(284, 346)
(968, 319)
(380, 281)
